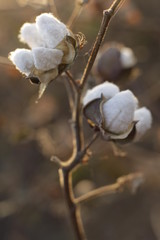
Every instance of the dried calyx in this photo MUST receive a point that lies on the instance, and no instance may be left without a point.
(116, 113)
(53, 49)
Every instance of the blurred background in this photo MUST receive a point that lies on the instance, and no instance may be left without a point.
(31, 201)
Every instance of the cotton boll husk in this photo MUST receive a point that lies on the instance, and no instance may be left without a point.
(23, 60)
(46, 59)
(45, 79)
(69, 56)
(30, 35)
(107, 89)
(127, 57)
(68, 50)
(51, 29)
(143, 117)
(118, 112)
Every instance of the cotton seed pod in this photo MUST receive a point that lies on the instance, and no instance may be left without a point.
(51, 30)
(114, 61)
(143, 117)
(53, 49)
(142, 123)
(46, 59)
(118, 113)
(93, 99)
(30, 35)
(23, 60)
(106, 89)
(110, 111)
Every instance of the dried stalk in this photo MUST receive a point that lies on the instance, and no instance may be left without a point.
(53, 8)
(72, 80)
(129, 182)
(107, 16)
(75, 14)
(79, 4)
(66, 168)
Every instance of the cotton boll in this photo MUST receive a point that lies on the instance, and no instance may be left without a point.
(46, 59)
(23, 60)
(118, 112)
(51, 29)
(144, 121)
(127, 57)
(106, 89)
(30, 35)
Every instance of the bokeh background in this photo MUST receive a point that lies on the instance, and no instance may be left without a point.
(31, 201)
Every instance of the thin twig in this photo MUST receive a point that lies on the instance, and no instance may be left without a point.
(65, 170)
(66, 178)
(94, 138)
(4, 61)
(70, 93)
(129, 182)
(66, 183)
(53, 8)
(79, 152)
(107, 16)
(76, 12)
(72, 80)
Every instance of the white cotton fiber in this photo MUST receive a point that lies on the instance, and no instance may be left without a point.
(51, 29)
(144, 121)
(46, 59)
(119, 112)
(30, 35)
(23, 60)
(107, 89)
(127, 57)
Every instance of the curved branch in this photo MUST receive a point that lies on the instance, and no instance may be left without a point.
(107, 16)
(66, 184)
(76, 12)
(79, 152)
(72, 80)
(129, 182)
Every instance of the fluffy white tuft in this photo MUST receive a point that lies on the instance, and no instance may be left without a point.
(30, 35)
(23, 60)
(46, 59)
(144, 121)
(51, 29)
(107, 89)
(119, 112)
(127, 57)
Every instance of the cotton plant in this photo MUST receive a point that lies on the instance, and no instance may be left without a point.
(113, 114)
(115, 61)
(53, 48)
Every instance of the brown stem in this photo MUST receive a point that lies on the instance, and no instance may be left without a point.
(78, 150)
(69, 93)
(79, 4)
(67, 167)
(72, 80)
(5, 62)
(66, 183)
(129, 182)
(107, 16)
(53, 8)
(75, 14)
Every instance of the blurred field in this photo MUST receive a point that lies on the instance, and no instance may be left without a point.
(31, 202)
